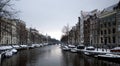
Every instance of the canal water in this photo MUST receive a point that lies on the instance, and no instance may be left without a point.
(52, 56)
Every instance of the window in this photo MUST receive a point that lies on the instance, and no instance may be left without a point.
(109, 24)
(113, 39)
(101, 40)
(101, 25)
(105, 32)
(109, 31)
(114, 23)
(101, 32)
(109, 39)
(114, 30)
(105, 25)
(113, 18)
(119, 39)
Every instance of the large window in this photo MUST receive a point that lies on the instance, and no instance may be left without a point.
(105, 32)
(101, 32)
(119, 39)
(109, 40)
(109, 24)
(109, 31)
(105, 25)
(114, 23)
(101, 40)
(113, 30)
(113, 39)
(101, 25)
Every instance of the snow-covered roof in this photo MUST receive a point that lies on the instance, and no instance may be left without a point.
(111, 8)
(86, 15)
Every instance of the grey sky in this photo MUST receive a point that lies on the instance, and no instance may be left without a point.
(49, 16)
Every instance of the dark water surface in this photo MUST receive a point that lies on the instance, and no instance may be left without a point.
(52, 56)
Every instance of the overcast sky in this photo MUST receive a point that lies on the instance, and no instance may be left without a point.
(49, 16)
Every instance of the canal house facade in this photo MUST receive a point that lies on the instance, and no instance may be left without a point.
(14, 31)
(100, 28)
(109, 27)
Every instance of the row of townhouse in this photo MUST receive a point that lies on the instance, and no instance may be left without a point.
(14, 31)
(101, 28)
(97, 28)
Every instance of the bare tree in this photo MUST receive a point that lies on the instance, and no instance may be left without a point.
(66, 29)
(6, 9)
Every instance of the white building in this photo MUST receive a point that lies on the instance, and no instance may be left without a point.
(8, 33)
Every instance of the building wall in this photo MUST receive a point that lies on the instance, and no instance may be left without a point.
(87, 32)
(118, 27)
(5, 31)
(108, 29)
(93, 30)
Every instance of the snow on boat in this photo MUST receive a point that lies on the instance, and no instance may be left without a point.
(74, 50)
(14, 51)
(90, 48)
(86, 53)
(65, 48)
(80, 47)
(22, 47)
(71, 46)
(116, 49)
(16, 46)
(5, 47)
(110, 57)
(8, 53)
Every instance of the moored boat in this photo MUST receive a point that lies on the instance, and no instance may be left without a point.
(8, 53)
(90, 48)
(65, 48)
(74, 50)
(110, 57)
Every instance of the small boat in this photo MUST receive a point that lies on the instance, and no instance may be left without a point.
(65, 48)
(80, 47)
(71, 46)
(110, 57)
(90, 48)
(14, 51)
(16, 46)
(116, 49)
(74, 50)
(8, 53)
(87, 53)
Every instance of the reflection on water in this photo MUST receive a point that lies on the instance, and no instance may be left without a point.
(52, 56)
